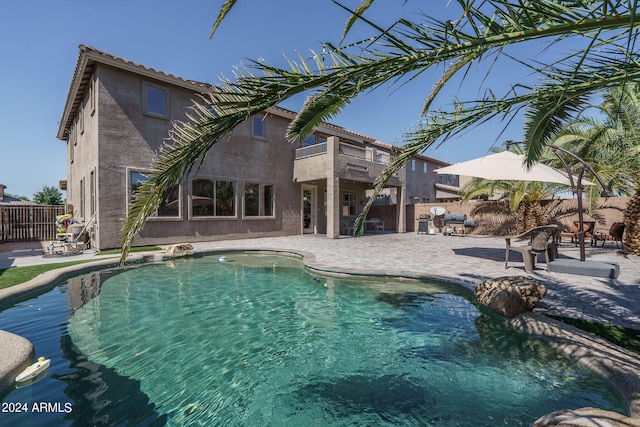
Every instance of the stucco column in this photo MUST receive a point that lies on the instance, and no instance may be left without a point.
(333, 190)
(401, 209)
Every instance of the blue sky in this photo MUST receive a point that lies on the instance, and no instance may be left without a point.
(40, 48)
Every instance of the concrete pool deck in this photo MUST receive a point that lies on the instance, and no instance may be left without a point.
(467, 261)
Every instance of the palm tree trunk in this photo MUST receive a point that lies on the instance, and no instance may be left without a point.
(530, 215)
(632, 224)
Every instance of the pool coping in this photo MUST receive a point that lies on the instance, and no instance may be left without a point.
(615, 364)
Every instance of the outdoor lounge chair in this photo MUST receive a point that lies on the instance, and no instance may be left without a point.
(572, 233)
(614, 234)
(542, 239)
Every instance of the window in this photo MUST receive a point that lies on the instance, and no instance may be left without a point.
(349, 203)
(447, 179)
(424, 167)
(309, 140)
(313, 139)
(82, 199)
(81, 119)
(72, 141)
(259, 127)
(155, 101)
(92, 96)
(413, 165)
(267, 200)
(92, 189)
(170, 206)
(258, 200)
(213, 197)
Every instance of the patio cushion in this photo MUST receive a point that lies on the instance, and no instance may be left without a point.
(585, 268)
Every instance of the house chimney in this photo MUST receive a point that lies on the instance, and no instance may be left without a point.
(2, 187)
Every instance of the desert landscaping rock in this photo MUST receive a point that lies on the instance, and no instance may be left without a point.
(510, 295)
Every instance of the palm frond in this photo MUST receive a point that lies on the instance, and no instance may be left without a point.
(398, 54)
(224, 11)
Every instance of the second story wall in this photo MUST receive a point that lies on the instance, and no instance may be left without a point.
(255, 155)
(421, 180)
(82, 156)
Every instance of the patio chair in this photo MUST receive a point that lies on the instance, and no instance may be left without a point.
(543, 239)
(378, 225)
(614, 234)
(348, 227)
(572, 233)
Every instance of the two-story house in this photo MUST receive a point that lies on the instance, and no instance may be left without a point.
(253, 182)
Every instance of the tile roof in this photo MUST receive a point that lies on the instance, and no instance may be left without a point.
(87, 60)
(12, 201)
(90, 56)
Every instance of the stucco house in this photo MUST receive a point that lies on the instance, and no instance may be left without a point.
(253, 183)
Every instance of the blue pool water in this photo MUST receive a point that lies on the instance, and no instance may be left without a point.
(260, 341)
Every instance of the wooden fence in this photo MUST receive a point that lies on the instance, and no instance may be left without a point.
(28, 223)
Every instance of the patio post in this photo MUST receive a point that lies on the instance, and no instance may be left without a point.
(401, 209)
(333, 190)
(577, 189)
(576, 186)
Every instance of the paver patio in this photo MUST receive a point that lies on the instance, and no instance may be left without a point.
(467, 260)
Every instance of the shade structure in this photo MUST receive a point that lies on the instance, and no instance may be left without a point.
(508, 166)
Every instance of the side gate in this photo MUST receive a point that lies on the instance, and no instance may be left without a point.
(28, 223)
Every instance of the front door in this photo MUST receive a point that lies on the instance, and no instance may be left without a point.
(309, 210)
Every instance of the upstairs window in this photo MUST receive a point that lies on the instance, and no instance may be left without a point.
(92, 96)
(447, 179)
(309, 140)
(259, 127)
(155, 101)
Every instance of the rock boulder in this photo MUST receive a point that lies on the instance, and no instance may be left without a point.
(586, 417)
(179, 250)
(510, 295)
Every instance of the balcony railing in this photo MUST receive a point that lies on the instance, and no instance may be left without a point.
(363, 153)
(311, 150)
(345, 149)
(353, 151)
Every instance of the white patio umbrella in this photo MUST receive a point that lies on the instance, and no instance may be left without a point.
(508, 166)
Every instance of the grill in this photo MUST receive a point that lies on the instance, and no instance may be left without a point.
(455, 219)
(458, 219)
(424, 223)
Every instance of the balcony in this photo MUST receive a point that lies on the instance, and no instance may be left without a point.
(364, 153)
(311, 150)
(347, 161)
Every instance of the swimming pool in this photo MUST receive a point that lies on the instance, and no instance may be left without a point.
(259, 340)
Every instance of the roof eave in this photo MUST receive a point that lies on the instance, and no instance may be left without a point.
(87, 59)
